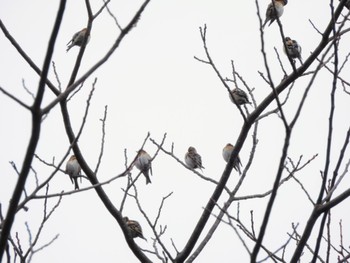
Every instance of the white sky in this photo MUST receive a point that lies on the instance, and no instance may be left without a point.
(153, 84)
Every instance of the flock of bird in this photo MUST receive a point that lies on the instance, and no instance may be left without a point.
(291, 47)
(275, 10)
(143, 162)
(192, 159)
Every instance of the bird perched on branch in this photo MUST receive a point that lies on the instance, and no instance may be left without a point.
(274, 9)
(226, 154)
(239, 97)
(73, 169)
(78, 39)
(192, 159)
(143, 163)
(134, 228)
(293, 49)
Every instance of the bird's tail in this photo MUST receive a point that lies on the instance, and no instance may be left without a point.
(239, 169)
(69, 46)
(76, 185)
(71, 178)
(148, 179)
(300, 60)
(237, 165)
(272, 20)
(265, 22)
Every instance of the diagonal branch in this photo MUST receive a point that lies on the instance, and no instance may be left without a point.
(15, 99)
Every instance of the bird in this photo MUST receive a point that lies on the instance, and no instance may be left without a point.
(226, 154)
(134, 228)
(239, 97)
(73, 169)
(143, 163)
(78, 39)
(293, 49)
(274, 10)
(192, 159)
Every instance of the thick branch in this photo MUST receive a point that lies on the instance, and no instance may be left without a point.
(36, 125)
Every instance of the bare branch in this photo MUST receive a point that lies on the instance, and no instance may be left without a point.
(102, 139)
(113, 16)
(184, 165)
(15, 99)
(203, 33)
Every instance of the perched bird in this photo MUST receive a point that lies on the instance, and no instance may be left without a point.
(134, 228)
(78, 39)
(143, 163)
(73, 169)
(272, 12)
(239, 97)
(192, 159)
(226, 154)
(293, 49)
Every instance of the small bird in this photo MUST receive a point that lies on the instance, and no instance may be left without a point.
(272, 12)
(239, 97)
(134, 228)
(226, 154)
(143, 163)
(293, 49)
(73, 169)
(192, 159)
(78, 39)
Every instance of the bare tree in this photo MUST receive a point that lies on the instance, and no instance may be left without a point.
(225, 203)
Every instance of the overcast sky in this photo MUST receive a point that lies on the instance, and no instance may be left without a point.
(152, 83)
